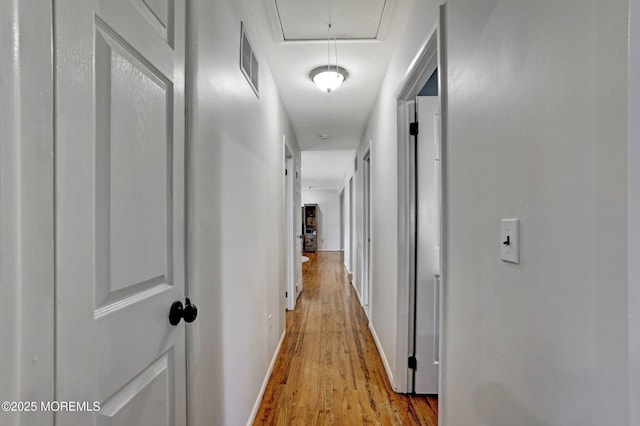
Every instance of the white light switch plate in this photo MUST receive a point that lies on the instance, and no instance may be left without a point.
(510, 240)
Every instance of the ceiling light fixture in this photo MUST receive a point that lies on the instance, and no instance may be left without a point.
(328, 77)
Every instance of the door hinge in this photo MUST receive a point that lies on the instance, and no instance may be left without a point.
(286, 294)
(413, 129)
(286, 172)
(413, 363)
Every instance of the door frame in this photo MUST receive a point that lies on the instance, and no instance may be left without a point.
(342, 222)
(297, 226)
(27, 275)
(426, 61)
(290, 234)
(366, 230)
(352, 256)
(633, 212)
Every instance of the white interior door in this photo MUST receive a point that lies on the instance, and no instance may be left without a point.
(427, 261)
(294, 233)
(120, 231)
(297, 202)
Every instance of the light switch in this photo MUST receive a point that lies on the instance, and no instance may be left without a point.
(510, 240)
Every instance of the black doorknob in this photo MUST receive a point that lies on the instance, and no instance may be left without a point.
(177, 312)
(190, 311)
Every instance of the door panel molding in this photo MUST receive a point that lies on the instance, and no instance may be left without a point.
(120, 212)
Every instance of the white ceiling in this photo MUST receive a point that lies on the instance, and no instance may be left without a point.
(321, 169)
(367, 32)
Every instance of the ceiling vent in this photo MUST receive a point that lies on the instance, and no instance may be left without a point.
(248, 61)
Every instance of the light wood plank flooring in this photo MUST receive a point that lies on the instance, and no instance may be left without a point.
(329, 371)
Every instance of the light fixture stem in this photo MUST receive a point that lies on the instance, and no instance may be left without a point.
(329, 48)
(335, 42)
(326, 77)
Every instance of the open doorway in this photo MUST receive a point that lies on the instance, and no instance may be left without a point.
(424, 291)
(421, 108)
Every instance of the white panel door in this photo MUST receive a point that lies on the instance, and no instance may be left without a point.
(297, 202)
(427, 246)
(120, 230)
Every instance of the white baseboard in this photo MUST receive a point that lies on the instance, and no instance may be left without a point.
(355, 288)
(256, 406)
(349, 274)
(382, 355)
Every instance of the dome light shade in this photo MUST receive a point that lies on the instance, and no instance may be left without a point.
(328, 78)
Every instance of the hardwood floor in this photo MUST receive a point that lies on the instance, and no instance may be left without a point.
(329, 371)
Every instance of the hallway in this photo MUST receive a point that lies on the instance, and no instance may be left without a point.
(155, 154)
(329, 371)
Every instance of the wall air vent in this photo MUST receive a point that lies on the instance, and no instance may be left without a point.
(248, 61)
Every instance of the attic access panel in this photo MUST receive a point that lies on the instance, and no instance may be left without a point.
(350, 19)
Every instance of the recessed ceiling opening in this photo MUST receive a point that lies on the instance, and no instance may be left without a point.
(306, 20)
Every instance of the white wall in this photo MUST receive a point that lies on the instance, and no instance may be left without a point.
(381, 132)
(237, 218)
(329, 226)
(537, 130)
